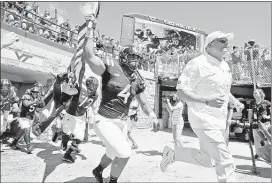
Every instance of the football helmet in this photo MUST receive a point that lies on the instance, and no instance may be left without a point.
(91, 84)
(129, 59)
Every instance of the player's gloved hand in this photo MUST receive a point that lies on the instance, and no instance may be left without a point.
(155, 122)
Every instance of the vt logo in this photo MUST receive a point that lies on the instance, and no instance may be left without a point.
(22, 57)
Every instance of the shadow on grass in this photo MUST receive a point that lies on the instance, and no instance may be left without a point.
(51, 160)
(150, 153)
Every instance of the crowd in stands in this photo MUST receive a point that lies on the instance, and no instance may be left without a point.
(243, 61)
(27, 16)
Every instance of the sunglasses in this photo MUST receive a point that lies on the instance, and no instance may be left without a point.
(222, 40)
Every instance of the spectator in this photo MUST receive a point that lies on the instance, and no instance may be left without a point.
(74, 37)
(12, 14)
(251, 46)
(236, 63)
(261, 113)
(46, 22)
(266, 57)
(109, 46)
(35, 8)
(65, 31)
(175, 109)
(27, 22)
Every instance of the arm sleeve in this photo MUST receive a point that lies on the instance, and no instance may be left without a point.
(189, 77)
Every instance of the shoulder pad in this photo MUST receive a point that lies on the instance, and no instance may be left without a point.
(26, 97)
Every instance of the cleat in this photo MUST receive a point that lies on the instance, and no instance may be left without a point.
(98, 176)
(29, 149)
(14, 147)
(68, 158)
(167, 158)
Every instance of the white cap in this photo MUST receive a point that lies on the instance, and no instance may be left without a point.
(251, 40)
(217, 35)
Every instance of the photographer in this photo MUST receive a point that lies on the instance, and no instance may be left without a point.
(261, 114)
(175, 109)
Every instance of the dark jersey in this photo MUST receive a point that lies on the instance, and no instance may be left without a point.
(28, 112)
(261, 110)
(80, 103)
(117, 92)
(7, 102)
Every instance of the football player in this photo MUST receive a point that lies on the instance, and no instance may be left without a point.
(29, 103)
(120, 85)
(8, 103)
(74, 122)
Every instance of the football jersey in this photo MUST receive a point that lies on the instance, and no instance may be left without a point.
(28, 112)
(80, 103)
(117, 91)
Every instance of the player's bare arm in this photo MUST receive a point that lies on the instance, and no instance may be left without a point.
(95, 63)
(144, 104)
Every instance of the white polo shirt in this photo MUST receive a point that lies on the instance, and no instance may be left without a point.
(206, 76)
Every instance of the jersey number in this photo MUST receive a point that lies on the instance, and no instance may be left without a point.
(125, 93)
(32, 108)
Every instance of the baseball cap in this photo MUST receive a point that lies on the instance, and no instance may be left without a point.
(251, 40)
(217, 35)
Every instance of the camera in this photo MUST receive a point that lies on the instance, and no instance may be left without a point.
(247, 125)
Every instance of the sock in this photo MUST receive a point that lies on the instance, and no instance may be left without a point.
(56, 135)
(69, 151)
(113, 179)
(27, 136)
(99, 168)
(65, 139)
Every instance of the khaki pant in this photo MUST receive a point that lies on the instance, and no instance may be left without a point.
(212, 147)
